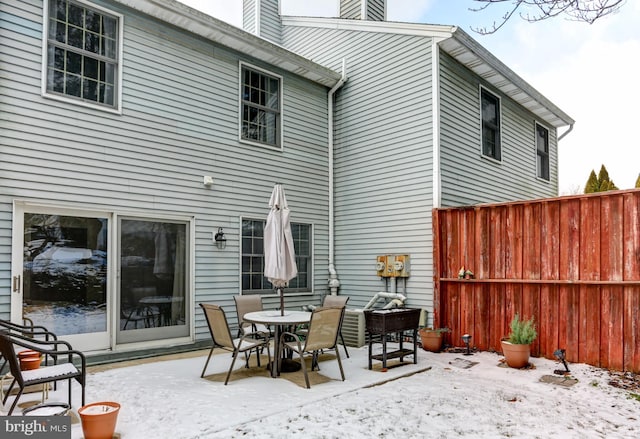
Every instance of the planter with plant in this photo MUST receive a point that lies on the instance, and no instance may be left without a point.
(432, 338)
(517, 347)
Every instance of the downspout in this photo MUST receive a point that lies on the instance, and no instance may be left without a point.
(334, 282)
(435, 114)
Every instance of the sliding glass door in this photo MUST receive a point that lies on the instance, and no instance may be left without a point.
(152, 266)
(64, 271)
(72, 277)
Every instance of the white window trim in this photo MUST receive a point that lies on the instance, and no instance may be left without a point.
(45, 34)
(280, 146)
(535, 148)
(495, 95)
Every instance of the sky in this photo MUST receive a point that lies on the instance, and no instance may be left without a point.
(444, 395)
(589, 71)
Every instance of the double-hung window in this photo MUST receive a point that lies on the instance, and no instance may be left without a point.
(82, 52)
(253, 280)
(260, 112)
(542, 151)
(490, 111)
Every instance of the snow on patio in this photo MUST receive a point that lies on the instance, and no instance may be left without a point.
(440, 397)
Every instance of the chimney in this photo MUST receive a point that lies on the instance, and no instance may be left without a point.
(262, 18)
(373, 10)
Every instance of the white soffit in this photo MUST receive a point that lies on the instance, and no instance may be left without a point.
(199, 23)
(476, 58)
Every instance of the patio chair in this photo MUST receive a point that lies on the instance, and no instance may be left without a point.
(140, 313)
(330, 300)
(45, 374)
(323, 331)
(246, 304)
(27, 330)
(221, 337)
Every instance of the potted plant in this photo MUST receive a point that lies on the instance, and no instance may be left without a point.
(517, 347)
(99, 419)
(432, 338)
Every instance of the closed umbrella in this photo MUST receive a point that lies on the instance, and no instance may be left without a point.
(279, 255)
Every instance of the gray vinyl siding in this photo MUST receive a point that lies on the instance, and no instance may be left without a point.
(179, 122)
(249, 18)
(270, 22)
(375, 10)
(383, 169)
(350, 9)
(467, 177)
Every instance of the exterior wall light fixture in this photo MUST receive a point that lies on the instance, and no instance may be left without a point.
(221, 241)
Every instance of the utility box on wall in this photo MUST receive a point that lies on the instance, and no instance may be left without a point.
(393, 266)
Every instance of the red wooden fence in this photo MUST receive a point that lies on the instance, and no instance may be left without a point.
(573, 263)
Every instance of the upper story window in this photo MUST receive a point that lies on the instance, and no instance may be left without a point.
(82, 52)
(260, 98)
(542, 151)
(490, 110)
(253, 280)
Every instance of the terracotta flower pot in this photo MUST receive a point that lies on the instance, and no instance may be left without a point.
(431, 340)
(516, 355)
(29, 359)
(99, 419)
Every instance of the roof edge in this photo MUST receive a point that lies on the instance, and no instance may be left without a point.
(225, 34)
(509, 75)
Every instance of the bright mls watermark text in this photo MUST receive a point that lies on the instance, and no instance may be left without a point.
(35, 427)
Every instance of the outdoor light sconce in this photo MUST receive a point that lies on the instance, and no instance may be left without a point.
(221, 241)
(466, 339)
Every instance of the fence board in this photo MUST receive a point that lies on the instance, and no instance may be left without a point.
(573, 263)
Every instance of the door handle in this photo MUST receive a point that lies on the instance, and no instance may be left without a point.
(16, 284)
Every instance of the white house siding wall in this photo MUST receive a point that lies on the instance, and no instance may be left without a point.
(249, 17)
(467, 177)
(375, 10)
(179, 122)
(383, 155)
(351, 9)
(270, 22)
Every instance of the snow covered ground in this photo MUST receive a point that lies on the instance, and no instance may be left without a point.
(436, 398)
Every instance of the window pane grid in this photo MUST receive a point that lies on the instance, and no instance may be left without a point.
(542, 151)
(82, 53)
(260, 107)
(490, 113)
(253, 280)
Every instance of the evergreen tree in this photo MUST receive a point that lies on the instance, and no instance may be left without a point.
(592, 183)
(638, 181)
(601, 183)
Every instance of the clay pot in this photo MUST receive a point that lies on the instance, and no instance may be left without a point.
(431, 340)
(516, 355)
(29, 359)
(99, 419)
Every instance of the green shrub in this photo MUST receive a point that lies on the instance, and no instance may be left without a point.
(522, 331)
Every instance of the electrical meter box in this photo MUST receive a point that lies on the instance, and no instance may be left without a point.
(401, 266)
(393, 266)
(381, 266)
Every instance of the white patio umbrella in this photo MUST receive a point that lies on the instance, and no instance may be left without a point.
(279, 256)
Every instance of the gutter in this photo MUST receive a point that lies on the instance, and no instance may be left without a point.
(566, 132)
(334, 282)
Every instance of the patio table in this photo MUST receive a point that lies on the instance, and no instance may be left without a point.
(164, 304)
(274, 317)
